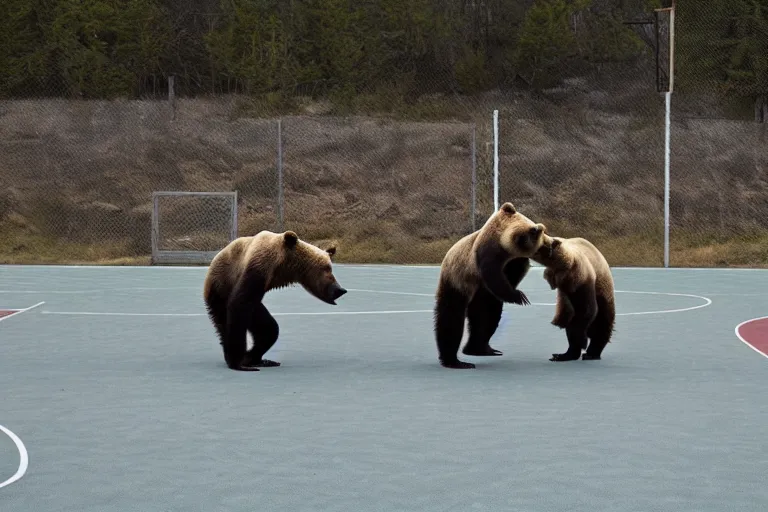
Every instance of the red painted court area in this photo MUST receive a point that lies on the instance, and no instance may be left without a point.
(7, 312)
(755, 334)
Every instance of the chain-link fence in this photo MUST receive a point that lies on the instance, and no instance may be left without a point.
(719, 135)
(376, 133)
(79, 179)
(593, 168)
(391, 191)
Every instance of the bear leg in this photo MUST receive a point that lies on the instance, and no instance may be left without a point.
(235, 355)
(216, 304)
(248, 292)
(600, 331)
(563, 311)
(584, 306)
(577, 341)
(483, 315)
(265, 331)
(450, 311)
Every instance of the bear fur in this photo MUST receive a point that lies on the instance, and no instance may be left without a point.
(478, 274)
(585, 305)
(243, 272)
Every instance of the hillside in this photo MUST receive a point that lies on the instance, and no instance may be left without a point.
(78, 177)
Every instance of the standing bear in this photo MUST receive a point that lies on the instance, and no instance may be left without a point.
(585, 305)
(243, 272)
(478, 274)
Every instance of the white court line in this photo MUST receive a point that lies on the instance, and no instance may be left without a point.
(737, 294)
(103, 290)
(707, 302)
(21, 311)
(112, 290)
(23, 457)
(385, 312)
(301, 313)
(392, 293)
(738, 335)
(432, 295)
(108, 267)
(113, 313)
(694, 269)
(364, 265)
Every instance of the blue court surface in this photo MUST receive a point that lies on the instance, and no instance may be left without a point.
(114, 386)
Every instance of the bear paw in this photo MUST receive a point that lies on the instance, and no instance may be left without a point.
(566, 356)
(481, 352)
(457, 365)
(243, 367)
(267, 363)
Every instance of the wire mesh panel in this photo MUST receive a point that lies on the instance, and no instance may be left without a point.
(385, 191)
(719, 194)
(76, 177)
(719, 136)
(191, 227)
(589, 173)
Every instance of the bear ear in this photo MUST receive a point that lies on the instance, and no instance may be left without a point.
(553, 245)
(508, 208)
(291, 239)
(331, 251)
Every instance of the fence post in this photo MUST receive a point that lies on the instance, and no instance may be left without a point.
(172, 95)
(155, 228)
(495, 160)
(233, 213)
(280, 206)
(474, 175)
(667, 155)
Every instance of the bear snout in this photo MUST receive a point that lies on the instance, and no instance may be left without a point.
(338, 292)
(333, 292)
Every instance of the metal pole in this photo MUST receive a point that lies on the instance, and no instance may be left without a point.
(155, 228)
(280, 206)
(474, 176)
(668, 131)
(172, 95)
(668, 98)
(233, 230)
(495, 160)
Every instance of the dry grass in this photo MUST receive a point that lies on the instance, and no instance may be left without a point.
(626, 251)
(383, 191)
(22, 248)
(744, 251)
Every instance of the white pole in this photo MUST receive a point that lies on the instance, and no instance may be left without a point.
(672, 47)
(667, 111)
(495, 160)
(280, 192)
(668, 130)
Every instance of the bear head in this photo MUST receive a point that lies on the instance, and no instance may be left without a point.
(312, 268)
(551, 253)
(518, 235)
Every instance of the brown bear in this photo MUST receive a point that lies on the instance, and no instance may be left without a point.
(243, 272)
(585, 305)
(478, 274)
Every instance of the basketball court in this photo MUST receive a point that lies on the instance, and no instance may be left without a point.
(116, 397)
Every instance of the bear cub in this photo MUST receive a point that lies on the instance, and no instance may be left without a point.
(585, 305)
